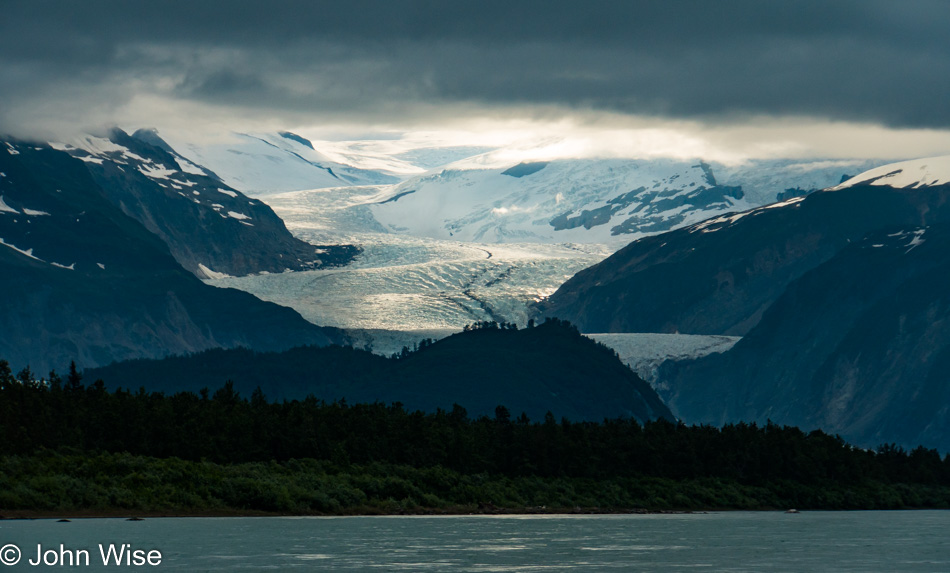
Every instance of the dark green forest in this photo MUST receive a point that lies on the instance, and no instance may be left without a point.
(548, 367)
(70, 447)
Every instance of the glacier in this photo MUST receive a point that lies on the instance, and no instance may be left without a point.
(456, 235)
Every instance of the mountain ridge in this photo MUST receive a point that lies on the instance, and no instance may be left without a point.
(84, 281)
(857, 346)
(718, 276)
(916, 173)
(211, 228)
(491, 198)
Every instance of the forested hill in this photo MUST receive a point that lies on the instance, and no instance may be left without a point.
(550, 367)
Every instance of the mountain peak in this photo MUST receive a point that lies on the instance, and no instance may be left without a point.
(905, 174)
(297, 138)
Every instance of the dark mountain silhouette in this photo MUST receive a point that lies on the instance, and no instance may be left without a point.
(859, 346)
(83, 281)
(719, 276)
(547, 368)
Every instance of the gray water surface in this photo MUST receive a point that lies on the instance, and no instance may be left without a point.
(886, 542)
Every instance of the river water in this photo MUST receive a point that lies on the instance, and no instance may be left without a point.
(886, 542)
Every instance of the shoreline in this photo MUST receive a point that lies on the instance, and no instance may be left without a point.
(18, 515)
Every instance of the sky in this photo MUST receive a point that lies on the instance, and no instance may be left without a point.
(721, 79)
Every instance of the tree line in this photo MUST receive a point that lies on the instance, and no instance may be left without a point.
(226, 428)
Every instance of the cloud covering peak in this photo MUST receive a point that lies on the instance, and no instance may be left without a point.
(299, 62)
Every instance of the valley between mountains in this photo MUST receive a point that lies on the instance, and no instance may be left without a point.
(808, 293)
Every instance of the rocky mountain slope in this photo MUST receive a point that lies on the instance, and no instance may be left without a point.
(859, 346)
(719, 276)
(211, 228)
(841, 295)
(83, 281)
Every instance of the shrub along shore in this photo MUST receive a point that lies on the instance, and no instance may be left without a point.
(117, 484)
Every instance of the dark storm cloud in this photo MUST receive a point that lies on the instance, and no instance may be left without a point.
(867, 60)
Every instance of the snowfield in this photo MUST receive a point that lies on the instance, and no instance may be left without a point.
(912, 174)
(259, 164)
(595, 201)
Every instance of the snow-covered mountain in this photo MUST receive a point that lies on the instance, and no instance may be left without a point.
(210, 227)
(260, 164)
(503, 194)
(915, 173)
(558, 201)
(767, 181)
(415, 276)
(612, 201)
(432, 258)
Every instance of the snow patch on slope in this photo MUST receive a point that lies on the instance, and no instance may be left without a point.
(718, 223)
(4, 208)
(905, 241)
(26, 252)
(155, 171)
(206, 273)
(905, 174)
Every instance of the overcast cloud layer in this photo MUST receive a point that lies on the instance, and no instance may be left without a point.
(93, 62)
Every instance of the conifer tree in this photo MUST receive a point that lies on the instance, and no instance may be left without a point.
(74, 379)
(55, 382)
(6, 374)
